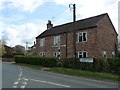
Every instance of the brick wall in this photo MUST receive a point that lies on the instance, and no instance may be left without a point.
(106, 37)
(101, 38)
(90, 45)
(8, 59)
(49, 47)
(67, 44)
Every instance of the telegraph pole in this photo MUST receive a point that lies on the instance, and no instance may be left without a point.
(74, 30)
(26, 48)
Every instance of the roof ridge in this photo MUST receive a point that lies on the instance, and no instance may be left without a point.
(82, 19)
(89, 22)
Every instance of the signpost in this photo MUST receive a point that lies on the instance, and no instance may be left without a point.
(90, 60)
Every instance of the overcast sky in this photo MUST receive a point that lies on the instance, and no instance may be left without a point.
(22, 20)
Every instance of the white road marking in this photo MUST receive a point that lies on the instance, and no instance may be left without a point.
(25, 79)
(21, 80)
(16, 83)
(20, 70)
(14, 86)
(20, 75)
(22, 87)
(88, 79)
(24, 83)
(49, 83)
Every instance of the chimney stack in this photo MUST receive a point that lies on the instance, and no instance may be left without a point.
(49, 25)
(34, 42)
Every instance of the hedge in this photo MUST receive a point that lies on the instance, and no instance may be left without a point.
(99, 64)
(114, 64)
(8, 56)
(46, 62)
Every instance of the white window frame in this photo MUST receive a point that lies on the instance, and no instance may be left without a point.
(42, 41)
(113, 54)
(42, 54)
(57, 40)
(104, 54)
(82, 54)
(80, 34)
(56, 54)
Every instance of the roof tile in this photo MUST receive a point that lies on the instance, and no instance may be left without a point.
(68, 27)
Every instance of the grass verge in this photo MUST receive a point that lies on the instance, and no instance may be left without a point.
(79, 73)
(86, 74)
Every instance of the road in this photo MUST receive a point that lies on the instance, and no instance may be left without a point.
(15, 76)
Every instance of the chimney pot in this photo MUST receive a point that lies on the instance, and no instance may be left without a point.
(49, 25)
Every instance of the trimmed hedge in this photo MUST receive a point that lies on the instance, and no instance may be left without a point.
(46, 62)
(8, 56)
(114, 64)
(99, 64)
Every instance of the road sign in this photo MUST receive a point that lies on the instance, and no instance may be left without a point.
(86, 60)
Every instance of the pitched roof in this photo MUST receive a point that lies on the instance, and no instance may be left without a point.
(68, 27)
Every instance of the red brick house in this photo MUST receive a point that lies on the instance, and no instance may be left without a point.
(95, 37)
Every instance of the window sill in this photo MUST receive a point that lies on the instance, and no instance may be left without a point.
(59, 46)
(41, 46)
(82, 42)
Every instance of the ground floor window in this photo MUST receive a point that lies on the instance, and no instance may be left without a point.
(57, 54)
(42, 54)
(104, 54)
(82, 54)
(113, 54)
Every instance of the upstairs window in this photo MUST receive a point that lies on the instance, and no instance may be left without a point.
(82, 54)
(42, 41)
(82, 37)
(57, 40)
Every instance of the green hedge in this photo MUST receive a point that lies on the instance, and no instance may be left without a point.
(71, 63)
(8, 56)
(46, 62)
(68, 62)
(114, 64)
(99, 64)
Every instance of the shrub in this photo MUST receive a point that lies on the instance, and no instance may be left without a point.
(8, 56)
(46, 62)
(72, 63)
(99, 64)
(68, 62)
(114, 64)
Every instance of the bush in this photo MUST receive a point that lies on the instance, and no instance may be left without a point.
(114, 64)
(99, 64)
(46, 62)
(8, 56)
(72, 63)
(68, 62)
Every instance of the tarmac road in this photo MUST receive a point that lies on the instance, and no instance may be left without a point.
(15, 76)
